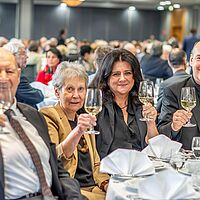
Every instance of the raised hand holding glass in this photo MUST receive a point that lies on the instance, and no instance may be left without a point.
(188, 101)
(93, 104)
(146, 95)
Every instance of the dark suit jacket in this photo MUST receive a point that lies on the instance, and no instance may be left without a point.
(27, 94)
(154, 67)
(62, 185)
(106, 126)
(172, 102)
(177, 77)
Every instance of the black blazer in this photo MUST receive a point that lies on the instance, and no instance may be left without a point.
(172, 102)
(27, 94)
(106, 126)
(63, 185)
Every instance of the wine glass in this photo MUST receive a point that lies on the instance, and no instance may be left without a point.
(5, 100)
(146, 95)
(188, 102)
(93, 104)
(196, 146)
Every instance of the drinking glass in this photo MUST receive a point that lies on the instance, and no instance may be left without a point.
(196, 146)
(146, 95)
(177, 160)
(5, 100)
(188, 102)
(93, 104)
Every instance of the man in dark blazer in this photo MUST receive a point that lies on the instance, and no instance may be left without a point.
(173, 116)
(25, 92)
(178, 62)
(153, 66)
(14, 182)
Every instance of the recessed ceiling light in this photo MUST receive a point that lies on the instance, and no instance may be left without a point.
(162, 3)
(177, 5)
(160, 8)
(168, 2)
(131, 8)
(63, 5)
(171, 8)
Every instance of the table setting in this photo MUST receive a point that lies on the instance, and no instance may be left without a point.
(161, 171)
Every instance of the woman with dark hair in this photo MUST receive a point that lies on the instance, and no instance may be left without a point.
(119, 77)
(54, 57)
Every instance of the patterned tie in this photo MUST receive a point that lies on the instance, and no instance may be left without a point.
(1, 175)
(46, 192)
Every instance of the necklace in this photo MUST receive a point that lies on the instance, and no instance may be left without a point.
(82, 145)
(124, 106)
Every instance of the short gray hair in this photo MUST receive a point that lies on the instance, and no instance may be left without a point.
(14, 46)
(68, 70)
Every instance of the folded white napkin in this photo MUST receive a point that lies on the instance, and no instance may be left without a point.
(162, 147)
(167, 184)
(127, 162)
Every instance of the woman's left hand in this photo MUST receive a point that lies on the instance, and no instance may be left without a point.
(149, 112)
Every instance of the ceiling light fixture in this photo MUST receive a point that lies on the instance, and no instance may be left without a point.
(131, 8)
(72, 3)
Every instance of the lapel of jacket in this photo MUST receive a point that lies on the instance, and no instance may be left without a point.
(141, 124)
(29, 116)
(109, 106)
(87, 138)
(1, 176)
(195, 110)
(65, 121)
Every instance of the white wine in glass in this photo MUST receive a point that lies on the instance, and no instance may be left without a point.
(5, 100)
(188, 101)
(93, 104)
(196, 146)
(146, 95)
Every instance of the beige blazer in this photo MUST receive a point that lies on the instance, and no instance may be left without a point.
(59, 128)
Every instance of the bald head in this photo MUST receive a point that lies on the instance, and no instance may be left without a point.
(195, 62)
(177, 57)
(195, 48)
(130, 47)
(7, 58)
(9, 70)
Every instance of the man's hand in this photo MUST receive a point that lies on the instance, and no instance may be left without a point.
(180, 117)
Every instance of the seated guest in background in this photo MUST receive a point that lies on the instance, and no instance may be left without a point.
(31, 169)
(178, 62)
(153, 66)
(86, 58)
(25, 92)
(54, 57)
(119, 77)
(67, 130)
(173, 116)
(34, 58)
(130, 47)
(72, 52)
(99, 54)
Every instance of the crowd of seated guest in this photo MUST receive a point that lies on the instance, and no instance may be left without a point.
(121, 66)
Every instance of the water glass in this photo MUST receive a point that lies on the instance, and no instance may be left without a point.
(196, 146)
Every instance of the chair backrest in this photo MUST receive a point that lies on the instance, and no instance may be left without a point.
(30, 72)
